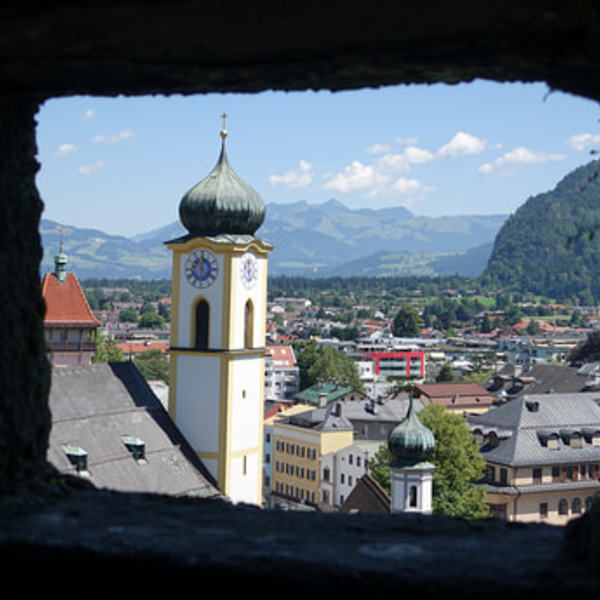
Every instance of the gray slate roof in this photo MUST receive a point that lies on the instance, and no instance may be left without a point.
(320, 419)
(391, 411)
(93, 406)
(520, 426)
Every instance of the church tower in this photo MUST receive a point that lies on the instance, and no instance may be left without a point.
(219, 298)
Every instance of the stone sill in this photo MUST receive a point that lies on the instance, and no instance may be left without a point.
(89, 532)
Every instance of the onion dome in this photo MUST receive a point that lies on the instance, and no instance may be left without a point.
(60, 264)
(221, 202)
(410, 441)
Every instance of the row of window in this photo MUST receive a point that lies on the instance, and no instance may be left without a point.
(564, 473)
(499, 510)
(297, 493)
(78, 456)
(296, 449)
(295, 470)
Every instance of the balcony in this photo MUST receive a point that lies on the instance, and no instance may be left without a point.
(71, 346)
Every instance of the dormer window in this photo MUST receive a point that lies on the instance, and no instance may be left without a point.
(548, 439)
(137, 448)
(78, 458)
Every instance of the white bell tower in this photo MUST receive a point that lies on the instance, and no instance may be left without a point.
(219, 298)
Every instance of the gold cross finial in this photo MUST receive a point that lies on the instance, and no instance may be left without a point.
(224, 130)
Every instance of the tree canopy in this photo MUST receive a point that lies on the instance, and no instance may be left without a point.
(326, 362)
(153, 364)
(458, 464)
(406, 322)
(107, 351)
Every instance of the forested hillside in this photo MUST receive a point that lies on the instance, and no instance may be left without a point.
(551, 244)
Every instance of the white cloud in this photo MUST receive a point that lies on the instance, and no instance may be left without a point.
(485, 169)
(417, 155)
(407, 186)
(356, 176)
(114, 138)
(406, 141)
(89, 114)
(301, 177)
(89, 169)
(582, 141)
(378, 148)
(462, 144)
(522, 155)
(65, 149)
(516, 157)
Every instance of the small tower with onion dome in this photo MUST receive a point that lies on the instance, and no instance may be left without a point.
(411, 444)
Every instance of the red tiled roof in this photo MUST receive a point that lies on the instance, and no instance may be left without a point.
(455, 393)
(283, 356)
(66, 303)
(143, 346)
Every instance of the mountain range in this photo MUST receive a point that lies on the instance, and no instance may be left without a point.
(310, 239)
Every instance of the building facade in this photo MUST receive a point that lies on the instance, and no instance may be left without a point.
(543, 456)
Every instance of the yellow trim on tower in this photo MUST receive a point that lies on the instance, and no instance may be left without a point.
(223, 442)
(226, 325)
(263, 316)
(219, 353)
(208, 455)
(256, 244)
(244, 452)
(175, 287)
(261, 428)
(172, 406)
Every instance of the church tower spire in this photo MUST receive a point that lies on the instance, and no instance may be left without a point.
(219, 298)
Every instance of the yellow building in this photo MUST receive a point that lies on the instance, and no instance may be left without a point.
(299, 443)
(543, 456)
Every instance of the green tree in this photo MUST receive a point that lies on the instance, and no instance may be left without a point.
(379, 467)
(153, 364)
(406, 322)
(152, 320)
(164, 310)
(107, 350)
(533, 327)
(445, 374)
(327, 362)
(458, 465)
(486, 324)
(128, 315)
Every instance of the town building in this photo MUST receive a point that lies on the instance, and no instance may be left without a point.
(69, 324)
(282, 374)
(109, 428)
(543, 456)
(299, 444)
(323, 393)
(455, 396)
(399, 363)
(218, 316)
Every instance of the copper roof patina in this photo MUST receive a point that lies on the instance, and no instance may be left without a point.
(222, 203)
(410, 441)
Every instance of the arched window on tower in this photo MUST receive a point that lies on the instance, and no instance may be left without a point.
(202, 318)
(248, 324)
(413, 496)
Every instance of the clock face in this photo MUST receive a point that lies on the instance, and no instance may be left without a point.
(248, 270)
(201, 268)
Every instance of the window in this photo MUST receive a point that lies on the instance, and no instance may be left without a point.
(358, 461)
(503, 476)
(137, 448)
(289, 448)
(350, 458)
(490, 473)
(556, 473)
(413, 496)
(543, 510)
(202, 319)
(267, 481)
(268, 459)
(588, 503)
(325, 497)
(576, 506)
(78, 458)
(582, 471)
(245, 465)
(342, 478)
(537, 475)
(268, 438)
(299, 471)
(248, 324)
(300, 450)
(563, 507)
(350, 479)
(326, 474)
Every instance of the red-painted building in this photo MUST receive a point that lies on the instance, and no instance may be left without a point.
(400, 363)
(69, 323)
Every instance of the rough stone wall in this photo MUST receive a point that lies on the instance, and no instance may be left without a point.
(24, 413)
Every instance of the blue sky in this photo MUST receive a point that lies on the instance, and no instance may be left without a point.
(122, 164)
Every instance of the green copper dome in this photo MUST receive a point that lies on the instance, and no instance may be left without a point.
(410, 440)
(221, 203)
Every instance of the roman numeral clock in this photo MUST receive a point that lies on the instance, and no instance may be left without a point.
(218, 314)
